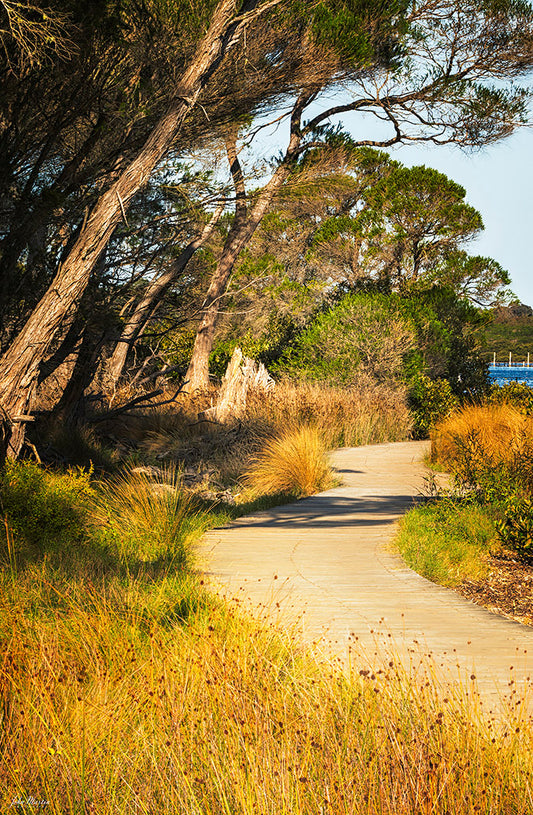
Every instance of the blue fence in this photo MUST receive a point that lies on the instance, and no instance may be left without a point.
(516, 372)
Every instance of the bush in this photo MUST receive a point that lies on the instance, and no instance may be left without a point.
(486, 445)
(363, 335)
(517, 394)
(44, 510)
(515, 527)
(295, 464)
(431, 400)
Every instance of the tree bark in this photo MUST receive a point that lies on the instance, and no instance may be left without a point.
(19, 366)
(244, 225)
(150, 300)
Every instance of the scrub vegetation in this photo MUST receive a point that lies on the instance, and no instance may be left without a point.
(125, 686)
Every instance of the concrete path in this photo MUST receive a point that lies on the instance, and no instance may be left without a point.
(325, 561)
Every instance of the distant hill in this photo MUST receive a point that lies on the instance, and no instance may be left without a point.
(510, 328)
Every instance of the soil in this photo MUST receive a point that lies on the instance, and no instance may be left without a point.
(507, 589)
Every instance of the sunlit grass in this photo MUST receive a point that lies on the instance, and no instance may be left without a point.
(294, 463)
(485, 434)
(447, 541)
(221, 715)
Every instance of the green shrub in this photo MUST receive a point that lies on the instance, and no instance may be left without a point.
(515, 528)
(44, 510)
(431, 400)
(363, 335)
(517, 394)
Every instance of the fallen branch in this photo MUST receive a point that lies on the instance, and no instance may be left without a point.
(139, 401)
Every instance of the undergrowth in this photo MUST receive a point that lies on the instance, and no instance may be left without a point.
(125, 687)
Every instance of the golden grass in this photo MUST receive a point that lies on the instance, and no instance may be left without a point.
(222, 716)
(494, 434)
(127, 689)
(295, 463)
(347, 417)
(145, 518)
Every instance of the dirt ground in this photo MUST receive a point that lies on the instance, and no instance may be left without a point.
(508, 589)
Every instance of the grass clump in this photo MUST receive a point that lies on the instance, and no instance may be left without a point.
(479, 438)
(295, 463)
(148, 518)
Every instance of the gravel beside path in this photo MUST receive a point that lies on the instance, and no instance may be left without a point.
(325, 562)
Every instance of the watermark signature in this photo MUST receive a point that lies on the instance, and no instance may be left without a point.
(29, 802)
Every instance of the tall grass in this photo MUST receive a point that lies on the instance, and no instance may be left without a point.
(350, 417)
(124, 687)
(294, 463)
(488, 435)
(222, 716)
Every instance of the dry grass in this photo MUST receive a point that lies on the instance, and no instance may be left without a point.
(295, 463)
(496, 432)
(221, 716)
(124, 688)
(347, 417)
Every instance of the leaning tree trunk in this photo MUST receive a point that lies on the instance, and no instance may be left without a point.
(150, 300)
(19, 366)
(241, 232)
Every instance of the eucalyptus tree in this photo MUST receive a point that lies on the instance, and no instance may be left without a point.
(436, 71)
(223, 24)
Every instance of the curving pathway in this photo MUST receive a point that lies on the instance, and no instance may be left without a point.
(324, 562)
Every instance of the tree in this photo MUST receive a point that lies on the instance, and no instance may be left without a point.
(437, 88)
(20, 363)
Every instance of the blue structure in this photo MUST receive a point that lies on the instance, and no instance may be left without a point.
(516, 372)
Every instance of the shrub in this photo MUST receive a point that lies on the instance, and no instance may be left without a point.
(295, 463)
(517, 394)
(481, 439)
(515, 527)
(431, 401)
(364, 334)
(44, 510)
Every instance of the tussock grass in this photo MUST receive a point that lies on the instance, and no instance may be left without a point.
(492, 434)
(148, 518)
(295, 463)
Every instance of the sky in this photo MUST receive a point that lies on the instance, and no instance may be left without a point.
(499, 183)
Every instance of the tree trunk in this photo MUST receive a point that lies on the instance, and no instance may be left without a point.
(152, 297)
(242, 230)
(20, 364)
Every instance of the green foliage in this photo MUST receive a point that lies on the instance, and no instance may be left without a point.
(360, 29)
(509, 329)
(266, 348)
(517, 394)
(431, 400)
(45, 510)
(447, 344)
(515, 526)
(364, 334)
